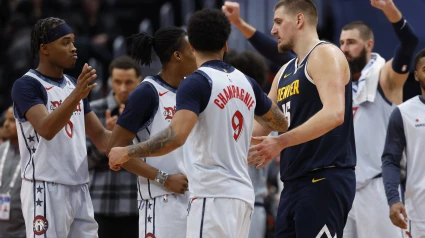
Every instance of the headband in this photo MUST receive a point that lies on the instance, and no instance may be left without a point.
(56, 33)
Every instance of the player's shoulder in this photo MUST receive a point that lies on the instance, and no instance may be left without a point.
(409, 103)
(26, 82)
(327, 49)
(145, 90)
(70, 78)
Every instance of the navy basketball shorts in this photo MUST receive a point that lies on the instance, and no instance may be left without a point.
(316, 205)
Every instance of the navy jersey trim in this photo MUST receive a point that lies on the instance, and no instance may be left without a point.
(421, 98)
(155, 110)
(219, 65)
(202, 218)
(383, 95)
(153, 216)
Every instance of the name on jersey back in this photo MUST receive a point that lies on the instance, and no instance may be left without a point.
(231, 92)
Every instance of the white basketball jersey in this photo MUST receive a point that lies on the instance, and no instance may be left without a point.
(370, 129)
(216, 151)
(413, 114)
(63, 159)
(171, 163)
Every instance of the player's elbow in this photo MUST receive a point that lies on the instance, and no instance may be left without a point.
(179, 141)
(338, 118)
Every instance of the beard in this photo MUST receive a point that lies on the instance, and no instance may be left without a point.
(358, 63)
(285, 47)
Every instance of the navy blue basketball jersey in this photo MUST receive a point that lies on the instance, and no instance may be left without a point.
(298, 98)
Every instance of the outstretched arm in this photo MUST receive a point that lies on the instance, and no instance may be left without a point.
(274, 120)
(395, 72)
(164, 142)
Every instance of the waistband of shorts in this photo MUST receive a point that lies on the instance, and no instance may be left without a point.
(41, 181)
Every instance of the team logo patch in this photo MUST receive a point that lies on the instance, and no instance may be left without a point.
(40, 225)
(149, 235)
(169, 112)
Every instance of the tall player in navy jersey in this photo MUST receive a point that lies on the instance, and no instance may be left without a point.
(318, 151)
(53, 117)
(216, 106)
(149, 109)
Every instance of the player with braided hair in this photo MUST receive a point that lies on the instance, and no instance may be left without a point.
(53, 117)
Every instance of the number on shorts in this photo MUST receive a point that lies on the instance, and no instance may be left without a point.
(237, 123)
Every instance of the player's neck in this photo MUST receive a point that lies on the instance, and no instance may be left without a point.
(201, 58)
(171, 77)
(305, 44)
(423, 93)
(50, 70)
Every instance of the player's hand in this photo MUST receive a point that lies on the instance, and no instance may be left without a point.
(398, 215)
(381, 4)
(176, 183)
(122, 107)
(118, 156)
(110, 121)
(232, 11)
(83, 87)
(265, 150)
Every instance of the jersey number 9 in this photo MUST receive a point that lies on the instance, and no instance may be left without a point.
(237, 123)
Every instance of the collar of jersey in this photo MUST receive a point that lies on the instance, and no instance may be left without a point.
(218, 65)
(58, 82)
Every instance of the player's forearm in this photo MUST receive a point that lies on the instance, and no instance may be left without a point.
(260, 130)
(318, 125)
(139, 167)
(246, 29)
(162, 143)
(392, 13)
(102, 145)
(391, 178)
(59, 118)
(274, 120)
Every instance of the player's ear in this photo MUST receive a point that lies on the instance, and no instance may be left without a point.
(177, 55)
(44, 49)
(300, 20)
(369, 45)
(416, 76)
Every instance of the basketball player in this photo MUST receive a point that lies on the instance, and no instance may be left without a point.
(318, 151)
(377, 88)
(254, 66)
(53, 117)
(406, 132)
(149, 109)
(216, 106)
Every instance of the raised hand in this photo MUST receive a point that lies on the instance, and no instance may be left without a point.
(176, 183)
(109, 120)
(381, 4)
(232, 11)
(83, 87)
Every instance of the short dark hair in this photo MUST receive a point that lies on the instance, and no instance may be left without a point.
(39, 31)
(124, 62)
(165, 42)
(419, 56)
(305, 7)
(366, 32)
(249, 63)
(208, 30)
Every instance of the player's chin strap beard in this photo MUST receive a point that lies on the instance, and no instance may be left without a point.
(56, 33)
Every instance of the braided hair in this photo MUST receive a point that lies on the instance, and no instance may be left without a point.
(165, 42)
(39, 32)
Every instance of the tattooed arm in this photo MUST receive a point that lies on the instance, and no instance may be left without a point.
(164, 142)
(274, 120)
